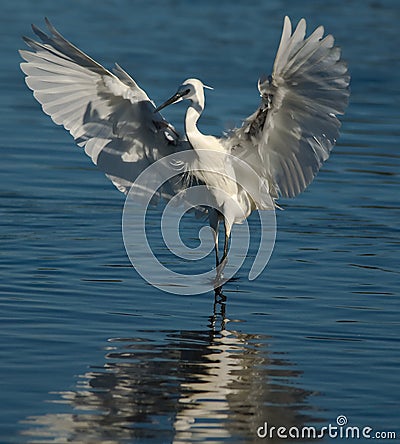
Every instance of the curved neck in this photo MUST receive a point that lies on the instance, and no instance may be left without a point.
(193, 114)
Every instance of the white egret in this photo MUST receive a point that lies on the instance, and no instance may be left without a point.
(285, 141)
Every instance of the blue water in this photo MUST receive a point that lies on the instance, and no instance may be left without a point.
(90, 353)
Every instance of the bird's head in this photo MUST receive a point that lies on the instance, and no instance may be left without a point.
(191, 89)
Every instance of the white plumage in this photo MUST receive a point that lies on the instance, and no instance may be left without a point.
(285, 141)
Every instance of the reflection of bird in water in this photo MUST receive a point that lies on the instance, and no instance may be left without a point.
(180, 386)
(284, 142)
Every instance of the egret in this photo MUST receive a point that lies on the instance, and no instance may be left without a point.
(285, 141)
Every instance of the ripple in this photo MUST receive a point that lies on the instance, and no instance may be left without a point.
(185, 386)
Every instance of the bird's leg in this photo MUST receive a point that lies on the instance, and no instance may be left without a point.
(226, 243)
(214, 224)
(224, 260)
(216, 247)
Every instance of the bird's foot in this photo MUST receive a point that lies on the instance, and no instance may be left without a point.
(219, 296)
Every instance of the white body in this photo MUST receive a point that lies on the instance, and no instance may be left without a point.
(213, 165)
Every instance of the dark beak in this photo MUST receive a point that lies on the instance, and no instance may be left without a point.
(175, 98)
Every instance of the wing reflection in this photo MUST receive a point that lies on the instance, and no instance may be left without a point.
(180, 386)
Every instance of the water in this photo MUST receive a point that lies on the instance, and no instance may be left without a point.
(90, 353)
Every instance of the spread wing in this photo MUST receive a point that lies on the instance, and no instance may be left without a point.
(295, 127)
(107, 113)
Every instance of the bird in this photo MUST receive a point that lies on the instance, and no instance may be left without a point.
(284, 142)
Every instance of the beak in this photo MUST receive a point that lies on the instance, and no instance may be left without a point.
(174, 99)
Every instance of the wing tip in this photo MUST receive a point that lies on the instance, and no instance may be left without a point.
(302, 22)
(38, 32)
(287, 26)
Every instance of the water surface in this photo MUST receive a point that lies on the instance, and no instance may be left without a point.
(91, 353)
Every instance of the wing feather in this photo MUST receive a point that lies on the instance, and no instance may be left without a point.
(106, 112)
(293, 131)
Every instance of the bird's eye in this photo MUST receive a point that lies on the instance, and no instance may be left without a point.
(186, 92)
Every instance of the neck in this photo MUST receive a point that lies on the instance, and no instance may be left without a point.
(193, 114)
